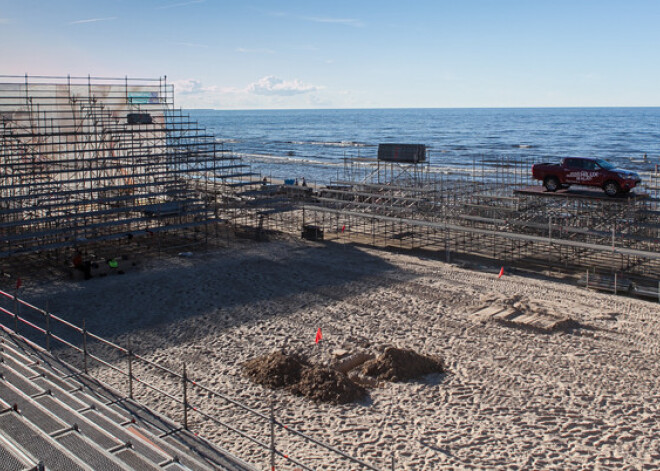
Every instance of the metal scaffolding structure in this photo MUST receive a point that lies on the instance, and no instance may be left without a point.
(86, 159)
(493, 211)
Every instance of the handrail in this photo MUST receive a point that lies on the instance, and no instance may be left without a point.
(107, 342)
(25, 321)
(105, 363)
(187, 406)
(283, 426)
(233, 429)
(157, 389)
(232, 401)
(21, 301)
(156, 365)
(68, 344)
(36, 327)
(326, 446)
(254, 440)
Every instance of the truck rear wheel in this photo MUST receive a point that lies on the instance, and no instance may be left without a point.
(611, 188)
(551, 183)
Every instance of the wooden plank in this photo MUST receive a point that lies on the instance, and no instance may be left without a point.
(543, 322)
(486, 313)
(524, 319)
(506, 315)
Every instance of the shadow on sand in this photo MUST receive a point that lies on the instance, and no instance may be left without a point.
(213, 285)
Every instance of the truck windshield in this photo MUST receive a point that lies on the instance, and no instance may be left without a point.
(604, 164)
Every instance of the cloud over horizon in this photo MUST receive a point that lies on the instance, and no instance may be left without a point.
(271, 85)
(277, 93)
(191, 87)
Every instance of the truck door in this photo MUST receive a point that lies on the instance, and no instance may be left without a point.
(572, 170)
(591, 174)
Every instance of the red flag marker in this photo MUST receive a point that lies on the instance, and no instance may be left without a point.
(501, 272)
(18, 283)
(343, 227)
(319, 335)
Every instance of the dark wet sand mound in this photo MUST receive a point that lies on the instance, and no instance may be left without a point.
(396, 364)
(280, 370)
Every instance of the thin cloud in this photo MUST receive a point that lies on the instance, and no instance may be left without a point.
(272, 85)
(181, 4)
(93, 20)
(316, 19)
(341, 21)
(187, 44)
(191, 87)
(269, 91)
(244, 50)
(4, 21)
(269, 12)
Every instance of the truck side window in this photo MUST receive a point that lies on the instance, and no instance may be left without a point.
(573, 163)
(588, 165)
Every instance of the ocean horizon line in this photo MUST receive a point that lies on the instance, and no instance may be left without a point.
(434, 108)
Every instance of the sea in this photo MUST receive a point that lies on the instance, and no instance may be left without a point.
(316, 144)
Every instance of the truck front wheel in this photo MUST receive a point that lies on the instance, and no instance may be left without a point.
(611, 188)
(551, 183)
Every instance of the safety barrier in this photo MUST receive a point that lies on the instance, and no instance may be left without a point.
(51, 323)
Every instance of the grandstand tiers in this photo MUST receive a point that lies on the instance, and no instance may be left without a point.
(53, 417)
(85, 160)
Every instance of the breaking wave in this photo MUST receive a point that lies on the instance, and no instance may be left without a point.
(327, 143)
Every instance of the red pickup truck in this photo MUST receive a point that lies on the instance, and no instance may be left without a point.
(587, 172)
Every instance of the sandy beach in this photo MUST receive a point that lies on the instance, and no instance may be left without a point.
(512, 398)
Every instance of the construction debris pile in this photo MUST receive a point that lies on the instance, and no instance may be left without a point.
(397, 364)
(293, 372)
(520, 312)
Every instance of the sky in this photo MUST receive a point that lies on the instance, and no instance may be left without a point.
(258, 54)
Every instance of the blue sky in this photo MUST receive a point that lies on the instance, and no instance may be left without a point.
(350, 54)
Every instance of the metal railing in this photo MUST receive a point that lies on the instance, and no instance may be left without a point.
(51, 323)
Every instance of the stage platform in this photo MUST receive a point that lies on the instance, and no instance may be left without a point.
(583, 193)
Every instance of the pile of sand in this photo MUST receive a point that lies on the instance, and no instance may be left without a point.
(296, 374)
(396, 364)
(328, 385)
(276, 370)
